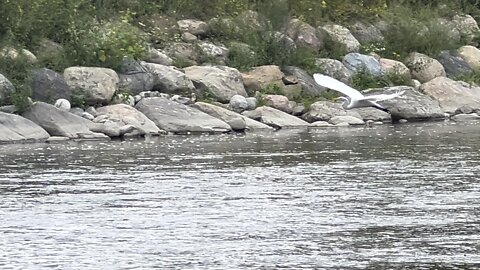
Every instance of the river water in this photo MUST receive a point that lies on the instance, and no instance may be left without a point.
(388, 197)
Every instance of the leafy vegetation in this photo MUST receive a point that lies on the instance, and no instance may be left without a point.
(364, 80)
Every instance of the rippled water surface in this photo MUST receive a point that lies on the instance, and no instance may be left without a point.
(389, 197)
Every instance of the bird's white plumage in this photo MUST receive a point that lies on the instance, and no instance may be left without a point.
(336, 85)
(355, 96)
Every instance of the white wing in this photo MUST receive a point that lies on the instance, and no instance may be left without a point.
(336, 85)
(382, 97)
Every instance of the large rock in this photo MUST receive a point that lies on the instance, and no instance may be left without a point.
(169, 80)
(333, 68)
(325, 110)
(16, 128)
(424, 68)
(217, 53)
(220, 81)
(174, 117)
(412, 105)
(340, 37)
(192, 26)
(394, 67)
(307, 84)
(278, 102)
(136, 83)
(278, 119)
(466, 25)
(98, 84)
(48, 86)
(373, 114)
(350, 120)
(58, 122)
(262, 77)
(128, 115)
(357, 62)
(187, 53)
(230, 117)
(366, 33)
(471, 55)
(452, 94)
(158, 57)
(304, 34)
(453, 64)
(6, 89)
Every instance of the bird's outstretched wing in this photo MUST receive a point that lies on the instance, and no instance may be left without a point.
(329, 82)
(382, 97)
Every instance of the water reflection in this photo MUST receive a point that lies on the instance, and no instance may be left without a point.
(402, 196)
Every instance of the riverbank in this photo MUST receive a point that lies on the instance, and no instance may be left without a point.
(193, 85)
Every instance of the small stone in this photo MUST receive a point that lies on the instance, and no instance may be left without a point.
(252, 114)
(57, 139)
(402, 121)
(63, 104)
(320, 124)
(91, 110)
(88, 116)
(238, 103)
(342, 124)
(237, 123)
(101, 118)
(252, 103)
(465, 117)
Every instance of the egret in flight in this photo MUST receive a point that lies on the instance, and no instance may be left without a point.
(354, 99)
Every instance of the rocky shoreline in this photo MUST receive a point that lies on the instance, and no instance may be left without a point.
(153, 97)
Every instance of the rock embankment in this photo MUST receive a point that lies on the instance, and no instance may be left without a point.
(153, 97)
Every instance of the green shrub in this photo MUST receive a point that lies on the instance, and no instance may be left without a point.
(107, 44)
(364, 80)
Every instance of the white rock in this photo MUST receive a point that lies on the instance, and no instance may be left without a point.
(63, 104)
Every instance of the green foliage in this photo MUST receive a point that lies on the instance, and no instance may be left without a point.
(18, 68)
(416, 29)
(21, 98)
(107, 44)
(79, 98)
(472, 77)
(364, 80)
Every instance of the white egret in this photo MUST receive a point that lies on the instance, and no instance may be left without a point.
(353, 99)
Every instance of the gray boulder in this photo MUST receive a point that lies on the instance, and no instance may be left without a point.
(466, 25)
(48, 86)
(372, 114)
(58, 122)
(6, 89)
(307, 84)
(174, 117)
(304, 34)
(325, 110)
(340, 37)
(99, 84)
(350, 120)
(453, 64)
(333, 68)
(452, 94)
(471, 55)
(230, 117)
(209, 51)
(16, 128)
(169, 80)
(239, 103)
(127, 115)
(184, 52)
(366, 33)
(158, 57)
(357, 62)
(412, 105)
(220, 81)
(278, 119)
(195, 27)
